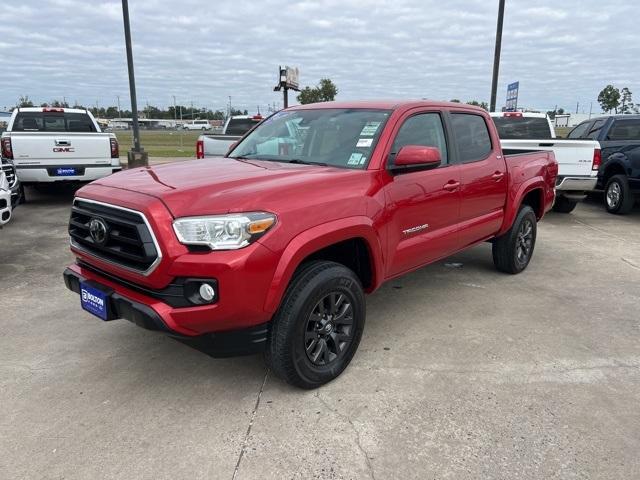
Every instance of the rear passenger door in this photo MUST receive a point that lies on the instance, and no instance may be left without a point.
(623, 143)
(483, 175)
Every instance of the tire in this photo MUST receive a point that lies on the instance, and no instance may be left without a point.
(319, 294)
(564, 205)
(512, 251)
(618, 197)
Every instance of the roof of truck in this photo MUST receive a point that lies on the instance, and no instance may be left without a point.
(52, 109)
(385, 104)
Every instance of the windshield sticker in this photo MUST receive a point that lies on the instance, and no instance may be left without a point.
(370, 129)
(363, 159)
(355, 159)
(364, 142)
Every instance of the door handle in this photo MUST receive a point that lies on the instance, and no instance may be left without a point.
(497, 176)
(451, 186)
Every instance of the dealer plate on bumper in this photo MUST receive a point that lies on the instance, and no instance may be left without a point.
(94, 300)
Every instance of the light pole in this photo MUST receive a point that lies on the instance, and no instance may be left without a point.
(137, 157)
(496, 57)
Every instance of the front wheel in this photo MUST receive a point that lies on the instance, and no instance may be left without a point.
(618, 196)
(564, 205)
(512, 251)
(317, 329)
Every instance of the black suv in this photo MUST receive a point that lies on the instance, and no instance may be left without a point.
(619, 174)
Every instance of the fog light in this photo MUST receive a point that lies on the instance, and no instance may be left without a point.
(207, 293)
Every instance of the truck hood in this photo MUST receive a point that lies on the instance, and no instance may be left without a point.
(218, 185)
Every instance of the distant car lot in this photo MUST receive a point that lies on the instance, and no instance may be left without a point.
(462, 373)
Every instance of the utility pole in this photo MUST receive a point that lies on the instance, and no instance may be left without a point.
(496, 57)
(175, 115)
(119, 111)
(577, 106)
(137, 157)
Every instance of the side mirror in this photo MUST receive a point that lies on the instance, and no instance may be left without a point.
(414, 157)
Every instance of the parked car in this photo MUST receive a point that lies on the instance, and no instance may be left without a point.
(273, 246)
(58, 145)
(619, 174)
(15, 187)
(578, 160)
(5, 200)
(197, 125)
(234, 128)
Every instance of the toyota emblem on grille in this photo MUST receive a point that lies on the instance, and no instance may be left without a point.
(98, 231)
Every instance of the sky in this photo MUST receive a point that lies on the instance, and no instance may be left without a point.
(203, 51)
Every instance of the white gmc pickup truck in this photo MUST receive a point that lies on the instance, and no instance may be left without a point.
(578, 160)
(58, 145)
(234, 129)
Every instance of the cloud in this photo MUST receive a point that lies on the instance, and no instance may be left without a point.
(207, 51)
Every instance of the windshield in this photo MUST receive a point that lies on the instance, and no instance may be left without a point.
(338, 137)
(522, 128)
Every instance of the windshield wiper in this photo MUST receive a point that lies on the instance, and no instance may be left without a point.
(304, 162)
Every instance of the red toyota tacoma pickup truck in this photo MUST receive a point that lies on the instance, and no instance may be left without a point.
(272, 247)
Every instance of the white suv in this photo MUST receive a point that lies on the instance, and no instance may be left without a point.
(198, 125)
(5, 199)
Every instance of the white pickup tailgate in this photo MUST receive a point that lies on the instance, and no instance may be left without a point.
(64, 148)
(574, 157)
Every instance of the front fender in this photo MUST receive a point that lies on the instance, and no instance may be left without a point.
(317, 238)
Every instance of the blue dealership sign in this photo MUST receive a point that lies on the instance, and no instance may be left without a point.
(512, 96)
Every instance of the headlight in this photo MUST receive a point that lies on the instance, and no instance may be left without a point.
(223, 232)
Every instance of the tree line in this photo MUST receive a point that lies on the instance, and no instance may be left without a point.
(150, 111)
(612, 99)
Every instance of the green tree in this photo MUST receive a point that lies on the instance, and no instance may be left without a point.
(325, 91)
(25, 101)
(609, 98)
(476, 103)
(58, 104)
(626, 101)
(455, 100)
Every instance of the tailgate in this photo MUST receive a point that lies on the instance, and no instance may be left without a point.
(35, 148)
(574, 157)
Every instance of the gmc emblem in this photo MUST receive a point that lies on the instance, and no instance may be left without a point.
(63, 149)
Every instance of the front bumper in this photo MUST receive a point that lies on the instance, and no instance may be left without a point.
(5, 207)
(46, 173)
(151, 314)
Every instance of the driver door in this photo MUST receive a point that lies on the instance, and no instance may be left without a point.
(423, 206)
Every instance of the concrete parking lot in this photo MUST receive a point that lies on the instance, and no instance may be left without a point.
(463, 373)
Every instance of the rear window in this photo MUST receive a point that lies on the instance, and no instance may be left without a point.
(625, 130)
(240, 126)
(472, 137)
(522, 128)
(52, 122)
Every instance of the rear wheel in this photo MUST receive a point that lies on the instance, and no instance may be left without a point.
(618, 197)
(564, 205)
(512, 251)
(317, 329)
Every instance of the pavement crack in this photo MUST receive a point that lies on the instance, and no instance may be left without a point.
(355, 430)
(630, 263)
(253, 416)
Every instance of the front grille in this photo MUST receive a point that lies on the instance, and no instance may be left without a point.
(129, 242)
(10, 172)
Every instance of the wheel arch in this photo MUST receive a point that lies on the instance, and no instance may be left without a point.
(351, 241)
(530, 193)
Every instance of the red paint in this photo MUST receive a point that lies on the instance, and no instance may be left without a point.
(406, 219)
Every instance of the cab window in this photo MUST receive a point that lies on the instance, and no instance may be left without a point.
(424, 129)
(579, 131)
(472, 137)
